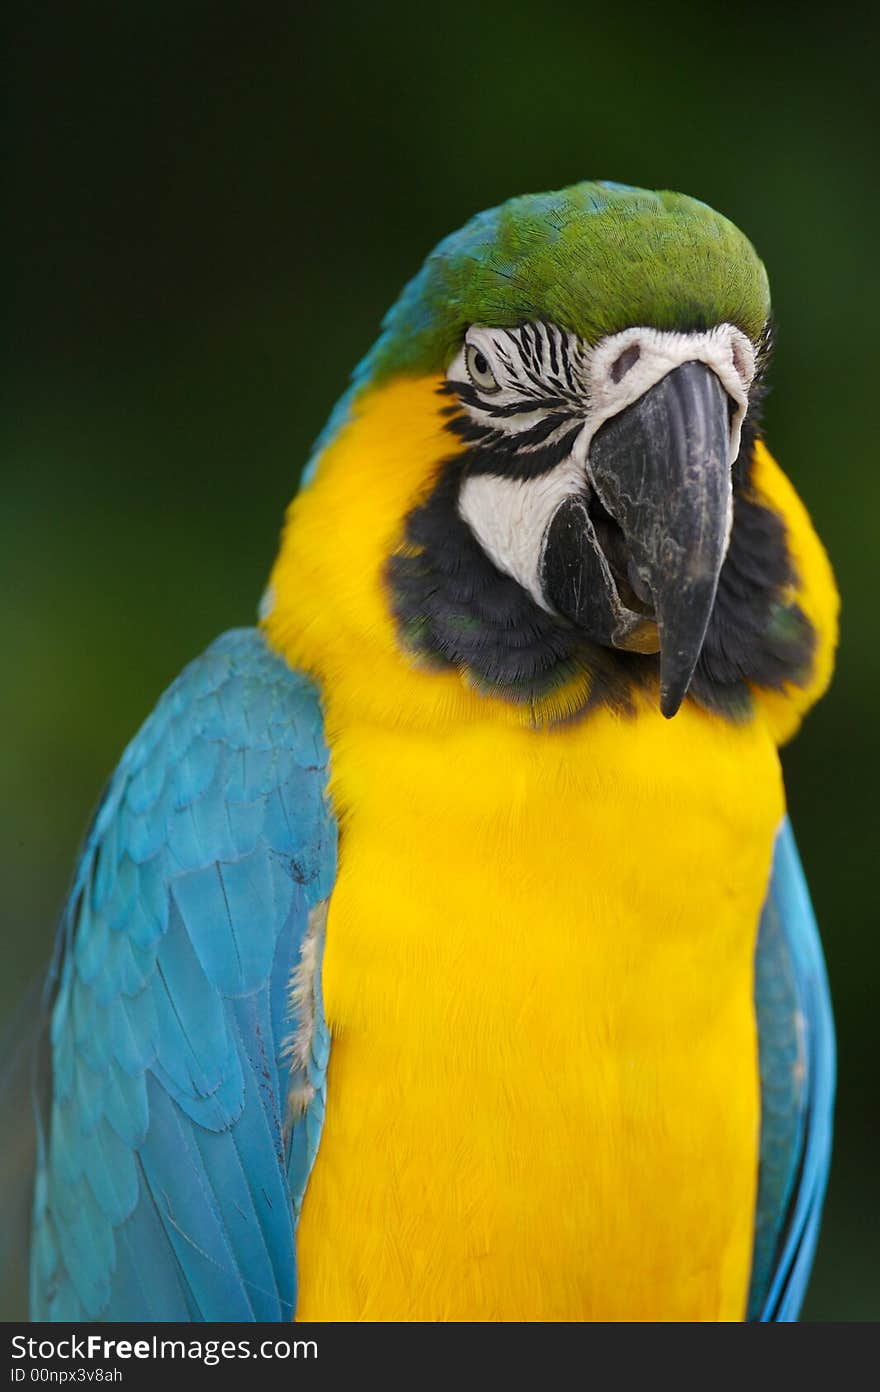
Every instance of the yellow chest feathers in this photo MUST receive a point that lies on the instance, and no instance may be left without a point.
(543, 1097)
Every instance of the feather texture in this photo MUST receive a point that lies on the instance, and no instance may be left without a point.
(797, 1061)
(162, 1189)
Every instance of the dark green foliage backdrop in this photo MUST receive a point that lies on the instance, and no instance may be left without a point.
(208, 209)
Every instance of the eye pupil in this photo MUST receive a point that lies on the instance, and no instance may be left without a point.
(480, 369)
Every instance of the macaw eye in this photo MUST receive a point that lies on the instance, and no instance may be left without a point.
(479, 370)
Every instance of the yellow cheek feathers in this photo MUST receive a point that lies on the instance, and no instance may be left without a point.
(330, 605)
(815, 592)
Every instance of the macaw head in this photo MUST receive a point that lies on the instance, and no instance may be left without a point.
(593, 359)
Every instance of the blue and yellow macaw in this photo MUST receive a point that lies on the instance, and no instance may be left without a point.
(491, 799)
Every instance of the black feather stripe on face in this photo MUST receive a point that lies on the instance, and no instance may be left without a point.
(525, 453)
(545, 366)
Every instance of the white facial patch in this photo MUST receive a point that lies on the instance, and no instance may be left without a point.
(538, 372)
(509, 517)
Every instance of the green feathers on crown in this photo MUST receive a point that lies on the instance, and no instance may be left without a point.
(594, 259)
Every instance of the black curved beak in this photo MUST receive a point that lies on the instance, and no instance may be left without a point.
(661, 470)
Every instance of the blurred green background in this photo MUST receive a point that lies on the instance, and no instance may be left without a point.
(209, 208)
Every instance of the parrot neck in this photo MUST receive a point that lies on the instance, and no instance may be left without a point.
(357, 598)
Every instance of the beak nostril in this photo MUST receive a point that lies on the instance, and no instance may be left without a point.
(627, 359)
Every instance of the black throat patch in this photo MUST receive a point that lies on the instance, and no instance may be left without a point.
(455, 609)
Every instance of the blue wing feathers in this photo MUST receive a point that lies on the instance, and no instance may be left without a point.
(797, 1063)
(162, 1188)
